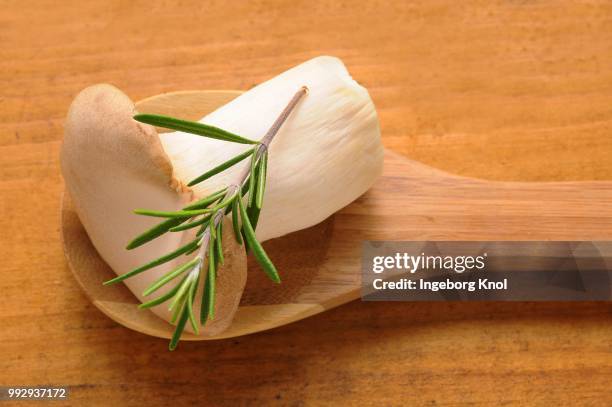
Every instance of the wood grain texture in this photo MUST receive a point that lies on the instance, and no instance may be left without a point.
(512, 90)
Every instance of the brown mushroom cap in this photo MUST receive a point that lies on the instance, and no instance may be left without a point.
(112, 165)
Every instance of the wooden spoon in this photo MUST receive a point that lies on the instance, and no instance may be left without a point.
(320, 266)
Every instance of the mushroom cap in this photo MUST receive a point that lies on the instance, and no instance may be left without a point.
(112, 165)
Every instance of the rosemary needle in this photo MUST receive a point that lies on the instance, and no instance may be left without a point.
(154, 232)
(163, 298)
(253, 177)
(178, 331)
(196, 128)
(190, 300)
(208, 297)
(203, 203)
(190, 225)
(177, 303)
(172, 274)
(220, 168)
(211, 277)
(258, 251)
(235, 222)
(261, 182)
(175, 214)
(161, 260)
(218, 244)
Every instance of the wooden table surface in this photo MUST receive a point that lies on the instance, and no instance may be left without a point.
(517, 90)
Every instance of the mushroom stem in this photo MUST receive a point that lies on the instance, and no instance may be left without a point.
(263, 145)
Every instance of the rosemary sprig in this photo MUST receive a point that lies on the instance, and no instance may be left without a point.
(208, 213)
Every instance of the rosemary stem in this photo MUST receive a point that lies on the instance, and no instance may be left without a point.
(267, 139)
(235, 188)
(269, 136)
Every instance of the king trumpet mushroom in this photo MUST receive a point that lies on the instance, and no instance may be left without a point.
(308, 137)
